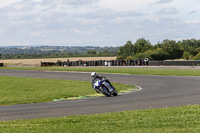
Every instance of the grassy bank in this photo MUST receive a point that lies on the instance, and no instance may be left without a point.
(184, 119)
(137, 71)
(18, 90)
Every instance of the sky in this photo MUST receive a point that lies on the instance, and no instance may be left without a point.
(96, 22)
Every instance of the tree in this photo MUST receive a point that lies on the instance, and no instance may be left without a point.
(172, 48)
(191, 42)
(126, 50)
(141, 46)
(91, 52)
(188, 48)
(158, 54)
(105, 52)
(70, 54)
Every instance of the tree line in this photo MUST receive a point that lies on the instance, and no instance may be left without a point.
(55, 55)
(167, 49)
(14, 53)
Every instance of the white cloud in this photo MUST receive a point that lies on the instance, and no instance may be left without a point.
(164, 1)
(193, 22)
(76, 31)
(124, 5)
(193, 12)
(37, 0)
(168, 11)
(78, 22)
(4, 3)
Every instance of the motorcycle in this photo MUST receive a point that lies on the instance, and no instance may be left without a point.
(101, 86)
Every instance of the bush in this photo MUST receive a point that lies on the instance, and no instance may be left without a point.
(141, 56)
(187, 55)
(91, 52)
(197, 57)
(120, 57)
(58, 63)
(129, 58)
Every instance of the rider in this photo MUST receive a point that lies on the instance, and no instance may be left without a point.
(95, 77)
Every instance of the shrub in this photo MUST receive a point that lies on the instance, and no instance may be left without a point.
(129, 58)
(120, 57)
(141, 56)
(197, 57)
(187, 55)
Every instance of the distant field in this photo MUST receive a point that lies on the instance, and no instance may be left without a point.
(36, 62)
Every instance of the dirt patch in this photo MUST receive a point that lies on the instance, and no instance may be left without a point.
(36, 62)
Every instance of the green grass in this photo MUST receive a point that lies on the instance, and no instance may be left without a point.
(137, 71)
(19, 90)
(185, 119)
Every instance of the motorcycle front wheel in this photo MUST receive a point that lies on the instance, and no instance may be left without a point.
(105, 91)
(115, 93)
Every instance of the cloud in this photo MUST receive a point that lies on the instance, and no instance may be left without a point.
(109, 14)
(192, 22)
(168, 11)
(4, 3)
(124, 5)
(69, 2)
(192, 12)
(163, 1)
(37, 0)
(81, 2)
(96, 22)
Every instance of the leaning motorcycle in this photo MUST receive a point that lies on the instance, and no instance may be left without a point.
(101, 86)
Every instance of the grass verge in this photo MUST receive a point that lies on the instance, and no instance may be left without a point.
(20, 90)
(137, 71)
(185, 119)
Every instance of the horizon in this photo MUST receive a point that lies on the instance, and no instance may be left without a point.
(59, 45)
(91, 45)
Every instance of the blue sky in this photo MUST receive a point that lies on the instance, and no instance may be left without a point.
(96, 22)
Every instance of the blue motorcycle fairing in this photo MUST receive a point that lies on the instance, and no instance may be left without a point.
(98, 83)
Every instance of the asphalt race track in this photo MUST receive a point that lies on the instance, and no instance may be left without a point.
(157, 92)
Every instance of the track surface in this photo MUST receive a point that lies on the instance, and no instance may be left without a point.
(157, 92)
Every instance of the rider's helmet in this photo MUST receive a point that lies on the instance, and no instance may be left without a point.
(93, 74)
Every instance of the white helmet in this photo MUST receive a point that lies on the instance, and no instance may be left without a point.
(93, 74)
